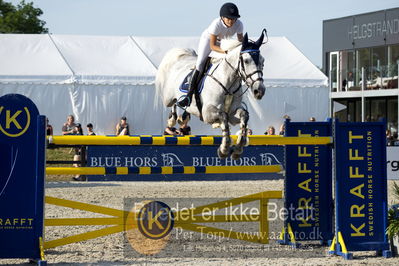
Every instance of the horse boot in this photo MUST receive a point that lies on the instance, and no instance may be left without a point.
(193, 84)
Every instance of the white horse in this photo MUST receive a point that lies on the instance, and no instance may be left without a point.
(222, 94)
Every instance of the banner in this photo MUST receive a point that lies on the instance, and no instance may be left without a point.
(308, 184)
(361, 186)
(22, 146)
(158, 156)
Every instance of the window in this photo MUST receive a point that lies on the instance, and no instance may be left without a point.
(352, 112)
(341, 115)
(393, 62)
(378, 67)
(362, 60)
(348, 70)
(392, 115)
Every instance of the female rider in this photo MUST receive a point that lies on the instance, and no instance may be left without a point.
(224, 27)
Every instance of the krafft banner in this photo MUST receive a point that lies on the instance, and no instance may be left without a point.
(158, 156)
(308, 183)
(361, 185)
(22, 144)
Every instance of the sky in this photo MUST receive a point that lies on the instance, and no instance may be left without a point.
(298, 20)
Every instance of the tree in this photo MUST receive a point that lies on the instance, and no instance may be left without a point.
(23, 18)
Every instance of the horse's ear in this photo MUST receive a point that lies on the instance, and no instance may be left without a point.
(245, 41)
(258, 43)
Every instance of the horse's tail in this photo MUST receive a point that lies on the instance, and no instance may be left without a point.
(170, 58)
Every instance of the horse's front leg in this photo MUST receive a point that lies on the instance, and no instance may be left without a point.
(224, 149)
(218, 118)
(243, 116)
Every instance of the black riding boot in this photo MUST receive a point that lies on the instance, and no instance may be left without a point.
(193, 84)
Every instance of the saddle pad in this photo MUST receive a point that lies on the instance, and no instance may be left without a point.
(186, 82)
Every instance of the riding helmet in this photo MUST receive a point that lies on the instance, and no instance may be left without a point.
(229, 10)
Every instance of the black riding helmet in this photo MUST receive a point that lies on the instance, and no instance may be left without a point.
(229, 10)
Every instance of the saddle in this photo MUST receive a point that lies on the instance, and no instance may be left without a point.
(201, 79)
(199, 86)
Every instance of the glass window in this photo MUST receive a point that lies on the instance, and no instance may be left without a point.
(348, 70)
(351, 67)
(351, 111)
(378, 109)
(393, 62)
(367, 110)
(392, 115)
(341, 115)
(362, 60)
(378, 67)
(334, 71)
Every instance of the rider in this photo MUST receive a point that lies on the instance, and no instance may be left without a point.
(224, 27)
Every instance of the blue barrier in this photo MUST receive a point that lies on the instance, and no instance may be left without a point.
(308, 186)
(177, 156)
(361, 189)
(22, 146)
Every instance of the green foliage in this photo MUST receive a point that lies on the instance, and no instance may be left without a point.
(23, 18)
(59, 154)
(393, 215)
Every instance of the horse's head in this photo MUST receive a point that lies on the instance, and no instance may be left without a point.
(251, 65)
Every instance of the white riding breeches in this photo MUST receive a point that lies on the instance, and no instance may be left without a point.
(204, 49)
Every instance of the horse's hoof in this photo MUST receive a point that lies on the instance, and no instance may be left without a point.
(222, 155)
(235, 156)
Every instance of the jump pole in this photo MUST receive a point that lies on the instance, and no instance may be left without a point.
(254, 140)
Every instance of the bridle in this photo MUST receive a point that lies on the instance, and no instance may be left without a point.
(240, 72)
(255, 54)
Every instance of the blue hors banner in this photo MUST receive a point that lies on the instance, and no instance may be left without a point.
(22, 144)
(158, 156)
(361, 185)
(308, 185)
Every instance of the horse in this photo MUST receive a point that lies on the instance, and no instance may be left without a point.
(222, 92)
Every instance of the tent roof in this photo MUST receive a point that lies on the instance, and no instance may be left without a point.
(128, 59)
(105, 59)
(284, 63)
(31, 57)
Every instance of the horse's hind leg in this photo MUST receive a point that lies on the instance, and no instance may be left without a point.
(172, 116)
(242, 136)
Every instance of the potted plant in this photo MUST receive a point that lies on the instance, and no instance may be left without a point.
(393, 222)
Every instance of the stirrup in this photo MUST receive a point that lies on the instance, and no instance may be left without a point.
(182, 98)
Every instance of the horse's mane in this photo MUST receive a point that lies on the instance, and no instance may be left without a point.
(229, 44)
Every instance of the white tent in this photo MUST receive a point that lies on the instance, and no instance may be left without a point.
(98, 79)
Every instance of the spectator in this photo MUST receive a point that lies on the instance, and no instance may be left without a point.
(122, 128)
(249, 132)
(68, 127)
(282, 126)
(395, 141)
(49, 128)
(77, 130)
(90, 131)
(185, 129)
(270, 131)
(389, 137)
(312, 119)
(282, 129)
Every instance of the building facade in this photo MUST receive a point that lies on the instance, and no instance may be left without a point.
(361, 58)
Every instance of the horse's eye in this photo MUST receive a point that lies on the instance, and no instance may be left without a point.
(247, 61)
